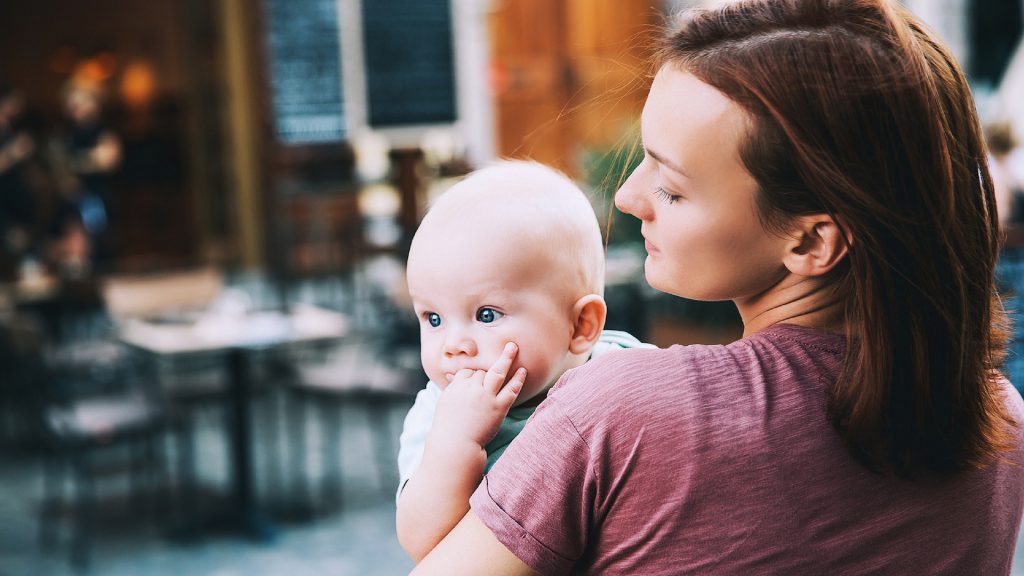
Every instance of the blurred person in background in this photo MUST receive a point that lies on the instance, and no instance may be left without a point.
(16, 202)
(86, 156)
(1006, 167)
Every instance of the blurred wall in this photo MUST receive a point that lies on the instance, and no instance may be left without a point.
(40, 37)
(568, 76)
(45, 42)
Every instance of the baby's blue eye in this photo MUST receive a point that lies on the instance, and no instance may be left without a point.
(434, 319)
(488, 315)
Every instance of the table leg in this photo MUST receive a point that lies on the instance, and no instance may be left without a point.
(247, 516)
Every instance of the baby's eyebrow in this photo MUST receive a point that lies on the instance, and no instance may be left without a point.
(420, 305)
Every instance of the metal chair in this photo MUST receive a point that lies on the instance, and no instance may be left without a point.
(86, 400)
(378, 372)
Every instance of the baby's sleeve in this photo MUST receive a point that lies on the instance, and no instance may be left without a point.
(414, 433)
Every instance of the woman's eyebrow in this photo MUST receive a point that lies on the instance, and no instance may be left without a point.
(665, 162)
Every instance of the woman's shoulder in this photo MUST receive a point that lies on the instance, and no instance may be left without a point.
(681, 373)
(618, 364)
(779, 340)
(622, 376)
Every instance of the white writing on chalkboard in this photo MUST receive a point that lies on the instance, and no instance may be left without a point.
(305, 70)
(408, 61)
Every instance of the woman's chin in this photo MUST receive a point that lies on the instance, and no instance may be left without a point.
(656, 278)
(674, 286)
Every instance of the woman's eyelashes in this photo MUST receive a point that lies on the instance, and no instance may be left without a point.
(664, 195)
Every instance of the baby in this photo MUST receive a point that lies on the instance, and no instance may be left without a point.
(506, 274)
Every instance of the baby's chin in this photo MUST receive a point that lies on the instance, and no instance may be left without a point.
(530, 401)
(532, 396)
(439, 379)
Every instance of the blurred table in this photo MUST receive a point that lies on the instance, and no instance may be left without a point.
(234, 336)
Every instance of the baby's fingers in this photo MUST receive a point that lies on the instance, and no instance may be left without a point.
(495, 377)
(507, 396)
(463, 374)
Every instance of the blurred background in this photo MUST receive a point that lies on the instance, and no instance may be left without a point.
(205, 206)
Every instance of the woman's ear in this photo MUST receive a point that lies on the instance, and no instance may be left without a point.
(589, 313)
(818, 246)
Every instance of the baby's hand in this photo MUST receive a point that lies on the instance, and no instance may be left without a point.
(474, 403)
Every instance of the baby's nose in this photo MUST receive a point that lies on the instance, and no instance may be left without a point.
(457, 344)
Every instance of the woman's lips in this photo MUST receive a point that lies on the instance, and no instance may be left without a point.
(651, 249)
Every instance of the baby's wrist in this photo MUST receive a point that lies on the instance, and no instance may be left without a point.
(453, 452)
(455, 429)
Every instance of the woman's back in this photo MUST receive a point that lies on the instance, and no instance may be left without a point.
(720, 459)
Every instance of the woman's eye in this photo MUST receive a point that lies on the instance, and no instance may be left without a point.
(434, 319)
(488, 315)
(663, 195)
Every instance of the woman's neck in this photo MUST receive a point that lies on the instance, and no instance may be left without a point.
(800, 300)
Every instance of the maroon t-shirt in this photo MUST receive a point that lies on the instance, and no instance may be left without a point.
(720, 460)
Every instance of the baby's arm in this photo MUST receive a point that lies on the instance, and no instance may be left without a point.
(468, 416)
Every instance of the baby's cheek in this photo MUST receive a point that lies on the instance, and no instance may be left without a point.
(537, 372)
(538, 363)
(430, 367)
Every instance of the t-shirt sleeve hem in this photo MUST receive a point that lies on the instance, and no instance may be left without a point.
(516, 538)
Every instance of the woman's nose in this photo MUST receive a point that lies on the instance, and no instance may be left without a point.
(630, 198)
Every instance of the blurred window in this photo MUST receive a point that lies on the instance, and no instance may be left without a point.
(336, 71)
(410, 73)
(994, 32)
(305, 67)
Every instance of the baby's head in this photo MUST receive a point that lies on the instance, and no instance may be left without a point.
(513, 253)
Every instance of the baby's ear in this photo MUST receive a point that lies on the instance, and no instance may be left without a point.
(589, 313)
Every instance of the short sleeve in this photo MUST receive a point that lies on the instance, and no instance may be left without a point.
(537, 500)
(414, 433)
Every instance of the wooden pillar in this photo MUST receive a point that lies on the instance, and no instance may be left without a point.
(407, 177)
(243, 131)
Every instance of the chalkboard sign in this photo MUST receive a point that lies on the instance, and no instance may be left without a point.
(305, 70)
(410, 73)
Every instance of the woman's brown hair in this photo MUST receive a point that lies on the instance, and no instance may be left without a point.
(858, 112)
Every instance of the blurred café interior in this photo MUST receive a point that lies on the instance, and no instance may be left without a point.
(206, 345)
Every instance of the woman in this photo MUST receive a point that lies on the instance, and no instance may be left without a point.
(820, 164)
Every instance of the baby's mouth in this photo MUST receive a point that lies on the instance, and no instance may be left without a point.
(449, 376)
